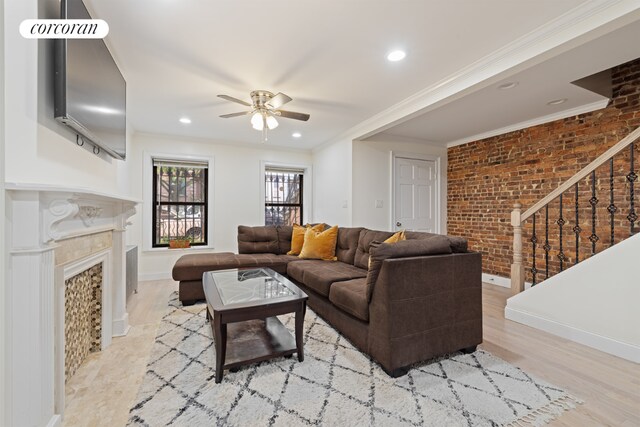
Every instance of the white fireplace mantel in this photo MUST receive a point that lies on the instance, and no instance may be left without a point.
(68, 212)
(40, 218)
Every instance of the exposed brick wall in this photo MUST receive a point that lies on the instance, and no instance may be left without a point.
(486, 178)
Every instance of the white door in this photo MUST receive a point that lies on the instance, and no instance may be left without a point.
(416, 203)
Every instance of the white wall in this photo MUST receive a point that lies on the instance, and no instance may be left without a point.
(2, 226)
(594, 302)
(332, 184)
(236, 191)
(372, 178)
(38, 149)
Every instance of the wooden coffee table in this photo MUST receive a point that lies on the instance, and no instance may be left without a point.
(241, 307)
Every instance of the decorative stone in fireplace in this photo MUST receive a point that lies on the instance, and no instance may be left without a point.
(82, 318)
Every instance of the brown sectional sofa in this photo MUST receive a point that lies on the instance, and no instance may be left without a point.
(421, 298)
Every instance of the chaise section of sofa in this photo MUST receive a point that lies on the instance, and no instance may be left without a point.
(189, 269)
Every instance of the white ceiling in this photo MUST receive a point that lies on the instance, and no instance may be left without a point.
(329, 56)
(492, 111)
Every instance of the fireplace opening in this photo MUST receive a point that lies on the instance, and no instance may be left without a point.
(82, 317)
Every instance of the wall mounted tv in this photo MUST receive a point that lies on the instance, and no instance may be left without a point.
(89, 90)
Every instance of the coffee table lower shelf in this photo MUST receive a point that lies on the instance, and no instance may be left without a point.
(253, 341)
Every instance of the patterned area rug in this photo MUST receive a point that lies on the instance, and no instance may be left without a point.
(336, 385)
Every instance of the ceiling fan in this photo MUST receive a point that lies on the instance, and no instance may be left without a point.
(265, 107)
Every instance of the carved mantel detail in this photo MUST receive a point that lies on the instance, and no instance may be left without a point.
(57, 211)
(123, 219)
(88, 214)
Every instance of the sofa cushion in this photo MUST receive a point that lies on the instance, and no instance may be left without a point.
(351, 296)
(437, 244)
(458, 244)
(192, 266)
(319, 275)
(258, 240)
(366, 237)
(296, 272)
(347, 243)
(284, 238)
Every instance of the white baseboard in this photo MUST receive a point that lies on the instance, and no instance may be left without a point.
(505, 282)
(55, 421)
(121, 326)
(599, 342)
(154, 276)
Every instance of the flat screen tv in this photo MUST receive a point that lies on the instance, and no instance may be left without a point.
(90, 92)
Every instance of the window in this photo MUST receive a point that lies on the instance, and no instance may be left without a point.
(283, 196)
(179, 202)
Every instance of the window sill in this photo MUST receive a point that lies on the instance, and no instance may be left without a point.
(179, 250)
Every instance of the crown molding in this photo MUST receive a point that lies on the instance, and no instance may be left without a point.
(582, 109)
(528, 50)
(391, 138)
(242, 144)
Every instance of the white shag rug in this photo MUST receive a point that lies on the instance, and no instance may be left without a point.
(336, 385)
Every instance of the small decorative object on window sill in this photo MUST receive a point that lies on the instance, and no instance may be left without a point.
(179, 244)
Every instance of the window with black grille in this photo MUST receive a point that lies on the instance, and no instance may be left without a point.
(283, 196)
(179, 201)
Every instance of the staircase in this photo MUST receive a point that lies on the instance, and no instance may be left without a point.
(581, 256)
(590, 212)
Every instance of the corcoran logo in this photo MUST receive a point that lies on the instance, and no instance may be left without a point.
(64, 29)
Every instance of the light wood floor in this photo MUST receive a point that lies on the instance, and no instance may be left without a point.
(105, 386)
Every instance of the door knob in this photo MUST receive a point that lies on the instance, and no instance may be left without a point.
(398, 224)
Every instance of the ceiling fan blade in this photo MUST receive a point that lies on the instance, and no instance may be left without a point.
(232, 99)
(278, 101)
(293, 115)
(227, 116)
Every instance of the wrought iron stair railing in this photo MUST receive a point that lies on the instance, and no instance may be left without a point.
(611, 177)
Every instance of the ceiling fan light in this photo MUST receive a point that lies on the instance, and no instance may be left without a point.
(272, 123)
(256, 121)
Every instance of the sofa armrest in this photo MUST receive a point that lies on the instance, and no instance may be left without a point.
(379, 252)
(423, 306)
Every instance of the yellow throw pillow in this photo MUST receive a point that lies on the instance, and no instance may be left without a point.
(320, 245)
(297, 237)
(397, 237)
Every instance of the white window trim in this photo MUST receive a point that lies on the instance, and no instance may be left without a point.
(416, 156)
(307, 207)
(147, 192)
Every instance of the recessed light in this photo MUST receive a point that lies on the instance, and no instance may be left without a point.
(557, 101)
(185, 120)
(508, 85)
(396, 55)
(296, 134)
